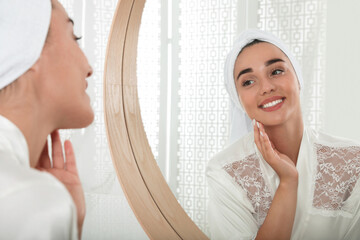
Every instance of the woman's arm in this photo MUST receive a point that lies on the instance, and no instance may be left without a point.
(229, 209)
(279, 221)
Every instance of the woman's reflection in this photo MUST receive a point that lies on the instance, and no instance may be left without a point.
(283, 179)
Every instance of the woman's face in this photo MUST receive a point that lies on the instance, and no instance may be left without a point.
(267, 85)
(63, 72)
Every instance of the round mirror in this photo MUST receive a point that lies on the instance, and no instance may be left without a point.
(167, 112)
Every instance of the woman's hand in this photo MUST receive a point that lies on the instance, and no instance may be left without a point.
(65, 170)
(279, 221)
(282, 164)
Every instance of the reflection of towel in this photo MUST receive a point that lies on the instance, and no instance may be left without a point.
(24, 26)
(240, 122)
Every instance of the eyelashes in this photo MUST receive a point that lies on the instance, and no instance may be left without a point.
(247, 83)
(275, 72)
(77, 38)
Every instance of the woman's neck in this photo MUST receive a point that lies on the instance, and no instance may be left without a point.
(287, 137)
(31, 121)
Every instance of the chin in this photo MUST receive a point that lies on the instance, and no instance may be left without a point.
(273, 120)
(80, 119)
(87, 118)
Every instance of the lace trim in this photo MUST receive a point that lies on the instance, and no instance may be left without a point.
(248, 175)
(337, 173)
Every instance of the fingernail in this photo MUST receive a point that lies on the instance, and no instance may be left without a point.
(261, 133)
(257, 123)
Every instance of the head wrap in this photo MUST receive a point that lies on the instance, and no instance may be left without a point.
(24, 25)
(240, 122)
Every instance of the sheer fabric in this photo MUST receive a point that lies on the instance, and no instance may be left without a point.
(242, 186)
(248, 175)
(337, 173)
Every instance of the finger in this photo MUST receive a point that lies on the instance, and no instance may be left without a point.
(262, 142)
(261, 136)
(266, 138)
(70, 164)
(257, 135)
(267, 147)
(57, 153)
(266, 143)
(44, 160)
(277, 152)
(272, 145)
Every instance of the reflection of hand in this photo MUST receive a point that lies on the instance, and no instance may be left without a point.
(65, 171)
(282, 164)
(279, 221)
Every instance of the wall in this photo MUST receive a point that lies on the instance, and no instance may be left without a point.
(342, 112)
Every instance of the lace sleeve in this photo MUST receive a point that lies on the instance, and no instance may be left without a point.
(230, 214)
(248, 175)
(338, 171)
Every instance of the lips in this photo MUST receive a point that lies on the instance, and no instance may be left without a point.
(271, 102)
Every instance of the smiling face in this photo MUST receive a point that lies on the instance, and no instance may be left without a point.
(267, 85)
(63, 69)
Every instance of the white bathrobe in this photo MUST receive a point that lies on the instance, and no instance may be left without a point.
(242, 186)
(33, 204)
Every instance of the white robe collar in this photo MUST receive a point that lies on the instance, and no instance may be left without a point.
(13, 142)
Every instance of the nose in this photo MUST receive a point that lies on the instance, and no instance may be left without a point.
(90, 71)
(266, 86)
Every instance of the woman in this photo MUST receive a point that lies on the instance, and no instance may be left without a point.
(42, 88)
(283, 180)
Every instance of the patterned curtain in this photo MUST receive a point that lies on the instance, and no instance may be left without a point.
(302, 26)
(202, 32)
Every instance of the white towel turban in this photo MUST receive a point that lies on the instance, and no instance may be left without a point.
(24, 25)
(240, 122)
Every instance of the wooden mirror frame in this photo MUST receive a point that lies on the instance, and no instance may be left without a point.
(154, 205)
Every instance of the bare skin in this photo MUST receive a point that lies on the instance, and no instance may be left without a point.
(277, 131)
(285, 125)
(65, 170)
(50, 96)
(280, 218)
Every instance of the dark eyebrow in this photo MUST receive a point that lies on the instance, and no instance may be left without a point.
(267, 63)
(271, 61)
(247, 70)
(72, 21)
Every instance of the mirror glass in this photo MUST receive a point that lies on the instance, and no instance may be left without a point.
(184, 105)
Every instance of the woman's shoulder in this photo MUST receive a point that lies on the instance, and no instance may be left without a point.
(39, 198)
(322, 138)
(233, 152)
(16, 179)
(338, 162)
(333, 150)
